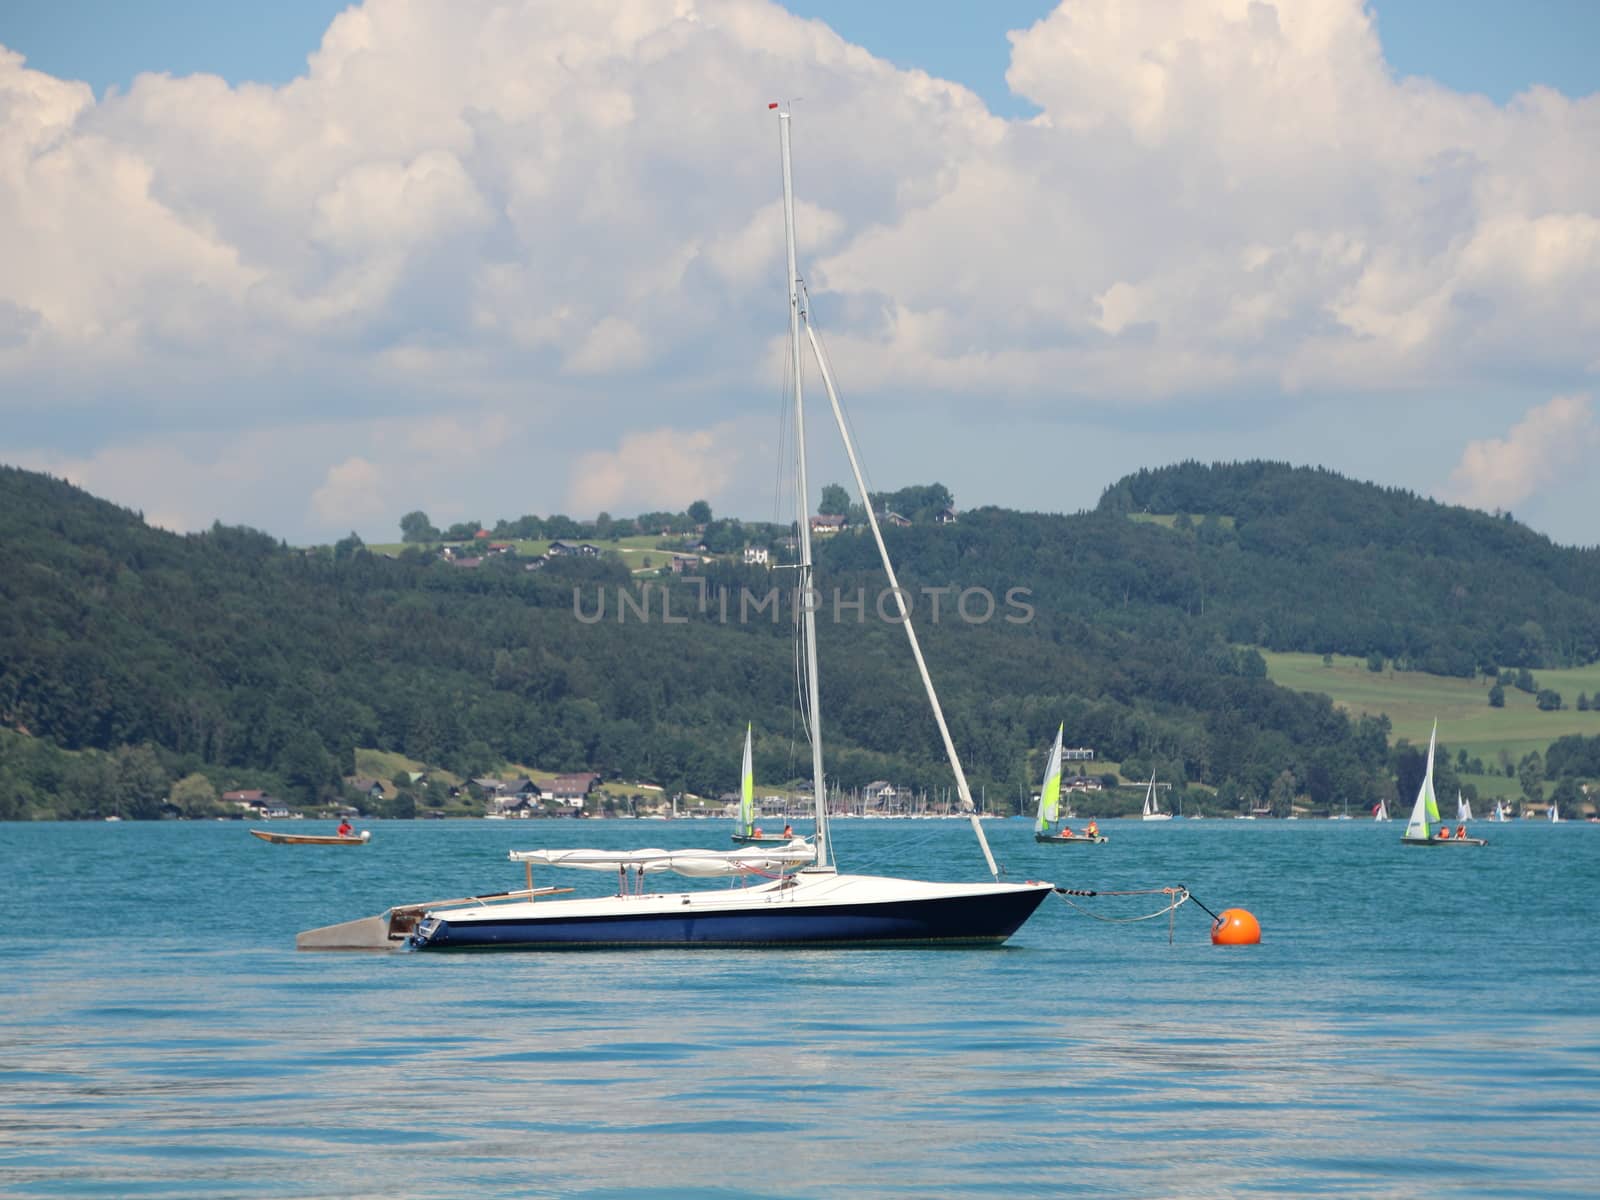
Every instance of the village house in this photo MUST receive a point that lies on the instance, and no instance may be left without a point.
(682, 563)
(826, 523)
(519, 797)
(255, 802)
(572, 789)
(371, 788)
(880, 792)
(560, 549)
(893, 518)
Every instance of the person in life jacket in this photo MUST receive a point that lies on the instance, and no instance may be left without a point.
(1093, 829)
(1461, 832)
(1066, 831)
(1444, 833)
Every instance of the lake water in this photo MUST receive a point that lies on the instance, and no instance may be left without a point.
(1414, 1023)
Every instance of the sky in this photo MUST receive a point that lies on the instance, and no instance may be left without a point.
(308, 267)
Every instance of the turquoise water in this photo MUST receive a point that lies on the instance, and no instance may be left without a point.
(1415, 1023)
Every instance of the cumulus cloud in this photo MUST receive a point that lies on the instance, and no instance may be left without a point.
(567, 215)
(351, 491)
(1542, 448)
(664, 468)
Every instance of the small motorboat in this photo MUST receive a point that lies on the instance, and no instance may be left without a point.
(312, 839)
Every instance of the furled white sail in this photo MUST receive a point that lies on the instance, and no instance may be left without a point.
(749, 860)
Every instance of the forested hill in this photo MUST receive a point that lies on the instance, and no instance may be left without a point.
(1299, 558)
(232, 655)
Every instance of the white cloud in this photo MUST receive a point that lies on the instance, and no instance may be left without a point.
(1550, 441)
(664, 468)
(567, 216)
(352, 492)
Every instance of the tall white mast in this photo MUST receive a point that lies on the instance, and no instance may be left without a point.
(806, 592)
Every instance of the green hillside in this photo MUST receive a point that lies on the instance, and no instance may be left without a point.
(131, 657)
(1413, 700)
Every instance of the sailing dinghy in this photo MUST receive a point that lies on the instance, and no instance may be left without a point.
(813, 905)
(747, 833)
(1047, 827)
(1424, 828)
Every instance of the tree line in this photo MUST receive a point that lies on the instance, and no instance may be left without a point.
(132, 660)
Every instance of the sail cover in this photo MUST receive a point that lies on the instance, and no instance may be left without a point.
(745, 861)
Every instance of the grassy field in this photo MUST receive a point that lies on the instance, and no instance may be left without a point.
(1168, 520)
(1413, 700)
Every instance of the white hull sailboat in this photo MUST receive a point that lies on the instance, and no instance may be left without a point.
(1152, 806)
(1499, 812)
(815, 905)
(1463, 808)
(1381, 812)
(1048, 827)
(1424, 828)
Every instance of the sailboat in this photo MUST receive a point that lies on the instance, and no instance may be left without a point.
(1463, 808)
(1380, 811)
(1555, 812)
(1499, 811)
(1424, 827)
(1152, 806)
(747, 832)
(813, 905)
(1045, 828)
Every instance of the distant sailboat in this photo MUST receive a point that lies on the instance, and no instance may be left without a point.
(1499, 811)
(1045, 826)
(1463, 808)
(1420, 828)
(1152, 806)
(1380, 811)
(1555, 812)
(747, 833)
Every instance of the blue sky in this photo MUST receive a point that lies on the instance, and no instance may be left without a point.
(1491, 46)
(543, 237)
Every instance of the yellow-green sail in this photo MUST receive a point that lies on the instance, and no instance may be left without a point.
(1050, 793)
(1425, 812)
(747, 791)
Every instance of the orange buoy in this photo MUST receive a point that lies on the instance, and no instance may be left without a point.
(1236, 927)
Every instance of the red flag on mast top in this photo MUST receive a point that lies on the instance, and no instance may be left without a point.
(774, 104)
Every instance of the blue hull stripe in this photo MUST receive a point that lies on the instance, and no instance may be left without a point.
(963, 920)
